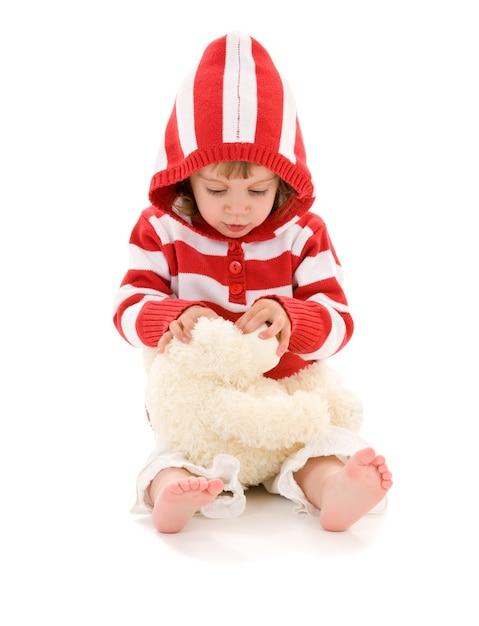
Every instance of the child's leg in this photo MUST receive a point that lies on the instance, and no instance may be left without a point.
(344, 492)
(177, 495)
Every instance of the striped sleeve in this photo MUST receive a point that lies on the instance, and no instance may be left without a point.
(321, 323)
(145, 304)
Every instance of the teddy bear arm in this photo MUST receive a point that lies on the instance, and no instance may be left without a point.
(269, 422)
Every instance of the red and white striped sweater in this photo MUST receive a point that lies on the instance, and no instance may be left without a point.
(234, 106)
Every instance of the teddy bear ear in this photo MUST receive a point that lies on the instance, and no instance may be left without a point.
(264, 350)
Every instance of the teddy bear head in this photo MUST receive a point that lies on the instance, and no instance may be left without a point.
(223, 352)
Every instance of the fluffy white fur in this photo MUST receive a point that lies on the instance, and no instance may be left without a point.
(209, 397)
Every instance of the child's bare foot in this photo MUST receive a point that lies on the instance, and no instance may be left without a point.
(354, 490)
(177, 501)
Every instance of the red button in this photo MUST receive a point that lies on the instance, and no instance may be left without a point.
(235, 267)
(236, 289)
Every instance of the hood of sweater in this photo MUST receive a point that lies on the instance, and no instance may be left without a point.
(234, 106)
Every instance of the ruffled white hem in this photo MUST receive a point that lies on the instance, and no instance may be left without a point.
(335, 441)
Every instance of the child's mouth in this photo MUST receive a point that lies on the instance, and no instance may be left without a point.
(236, 228)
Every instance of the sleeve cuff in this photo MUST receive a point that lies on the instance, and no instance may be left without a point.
(309, 325)
(156, 316)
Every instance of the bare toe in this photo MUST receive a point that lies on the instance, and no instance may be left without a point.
(179, 500)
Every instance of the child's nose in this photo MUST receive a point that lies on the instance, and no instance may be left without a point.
(237, 206)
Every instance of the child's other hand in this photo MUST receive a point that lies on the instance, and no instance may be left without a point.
(267, 311)
(183, 325)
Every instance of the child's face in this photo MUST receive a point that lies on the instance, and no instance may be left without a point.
(234, 206)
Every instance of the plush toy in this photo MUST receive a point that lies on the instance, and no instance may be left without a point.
(210, 397)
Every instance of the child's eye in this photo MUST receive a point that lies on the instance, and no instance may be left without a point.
(259, 192)
(215, 192)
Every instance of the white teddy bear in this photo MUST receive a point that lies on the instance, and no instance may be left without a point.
(210, 397)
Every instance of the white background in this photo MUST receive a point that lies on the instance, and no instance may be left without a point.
(388, 99)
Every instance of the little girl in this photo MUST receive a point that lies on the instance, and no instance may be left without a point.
(230, 233)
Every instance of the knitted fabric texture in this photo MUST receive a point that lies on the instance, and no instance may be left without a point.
(235, 105)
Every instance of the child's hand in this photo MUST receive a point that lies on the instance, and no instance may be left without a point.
(183, 325)
(267, 311)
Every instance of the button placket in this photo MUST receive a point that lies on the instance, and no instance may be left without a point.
(236, 274)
